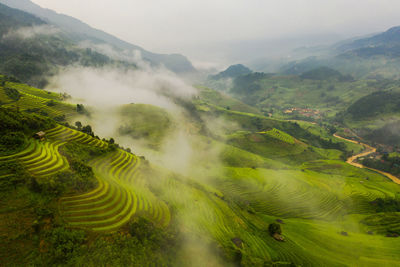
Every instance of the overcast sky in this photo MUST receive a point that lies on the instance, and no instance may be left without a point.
(187, 26)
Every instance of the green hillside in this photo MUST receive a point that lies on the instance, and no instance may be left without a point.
(299, 97)
(87, 201)
(375, 104)
(325, 73)
(135, 123)
(375, 117)
(244, 169)
(224, 100)
(32, 100)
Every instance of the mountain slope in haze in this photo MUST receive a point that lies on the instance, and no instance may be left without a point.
(371, 56)
(232, 72)
(12, 19)
(80, 31)
(325, 73)
(390, 37)
(375, 117)
(31, 49)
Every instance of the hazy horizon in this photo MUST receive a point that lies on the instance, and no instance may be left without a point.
(225, 32)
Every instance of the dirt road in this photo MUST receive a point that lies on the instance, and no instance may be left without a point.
(369, 150)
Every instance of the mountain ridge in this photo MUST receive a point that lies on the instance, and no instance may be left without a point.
(232, 71)
(82, 31)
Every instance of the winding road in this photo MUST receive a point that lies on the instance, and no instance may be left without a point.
(369, 150)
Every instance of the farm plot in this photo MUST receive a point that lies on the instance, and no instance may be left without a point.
(122, 167)
(40, 158)
(121, 192)
(281, 136)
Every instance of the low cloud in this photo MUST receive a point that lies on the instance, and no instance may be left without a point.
(184, 151)
(31, 32)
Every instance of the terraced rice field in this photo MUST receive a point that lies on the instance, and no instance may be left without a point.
(4, 99)
(68, 135)
(121, 192)
(29, 102)
(41, 159)
(307, 194)
(282, 136)
(23, 88)
(122, 167)
(36, 100)
(382, 223)
(315, 208)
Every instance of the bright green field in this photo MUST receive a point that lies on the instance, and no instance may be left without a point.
(266, 171)
(35, 100)
(113, 203)
(145, 122)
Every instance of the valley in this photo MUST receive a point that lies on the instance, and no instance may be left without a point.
(111, 155)
(259, 181)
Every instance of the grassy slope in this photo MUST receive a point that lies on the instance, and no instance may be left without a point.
(107, 207)
(281, 92)
(37, 101)
(223, 100)
(147, 122)
(375, 117)
(317, 198)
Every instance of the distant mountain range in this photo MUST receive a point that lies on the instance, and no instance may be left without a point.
(371, 56)
(80, 31)
(389, 38)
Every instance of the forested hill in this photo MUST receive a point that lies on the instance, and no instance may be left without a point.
(375, 104)
(30, 48)
(80, 31)
(12, 19)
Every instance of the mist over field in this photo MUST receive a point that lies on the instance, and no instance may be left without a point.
(199, 134)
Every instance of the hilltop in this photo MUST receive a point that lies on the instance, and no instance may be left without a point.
(232, 72)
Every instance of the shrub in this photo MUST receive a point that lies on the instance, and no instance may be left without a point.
(80, 108)
(60, 118)
(12, 93)
(27, 123)
(11, 141)
(274, 228)
(51, 103)
(19, 175)
(64, 243)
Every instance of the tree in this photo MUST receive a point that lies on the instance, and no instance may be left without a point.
(78, 124)
(80, 108)
(88, 129)
(51, 103)
(274, 228)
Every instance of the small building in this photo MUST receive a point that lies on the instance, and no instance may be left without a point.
(39, 135)
(278, 237)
